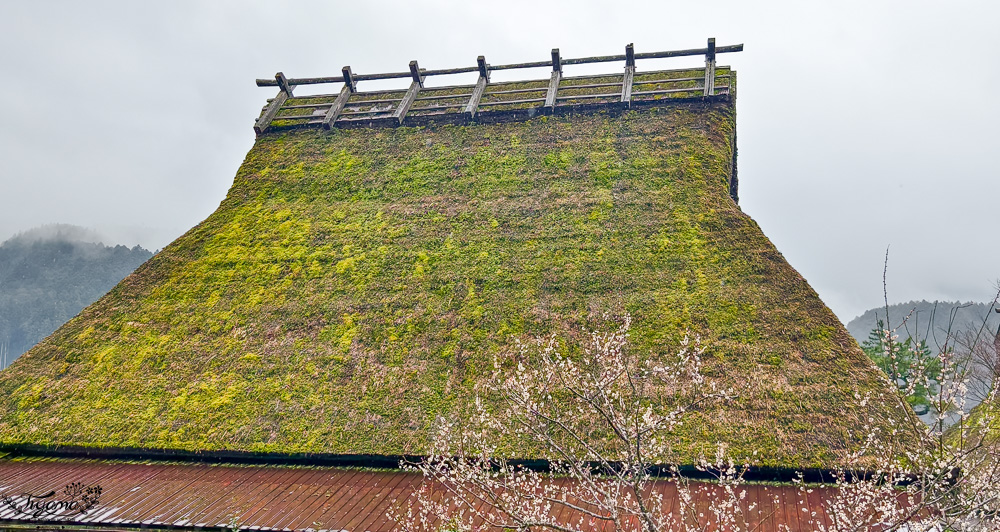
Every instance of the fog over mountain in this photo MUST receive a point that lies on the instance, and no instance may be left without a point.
(48, 274)
(929, 319)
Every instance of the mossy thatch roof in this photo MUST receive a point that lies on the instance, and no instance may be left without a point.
(354, 283)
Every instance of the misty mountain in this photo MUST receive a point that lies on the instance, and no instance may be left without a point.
(929, 319)
(48, 275)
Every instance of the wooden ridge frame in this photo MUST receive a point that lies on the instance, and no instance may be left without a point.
(468, 105)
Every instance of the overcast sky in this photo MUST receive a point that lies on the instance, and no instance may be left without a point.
(862, 124)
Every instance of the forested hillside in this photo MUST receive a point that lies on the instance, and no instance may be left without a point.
(48, 275)
(928, 319)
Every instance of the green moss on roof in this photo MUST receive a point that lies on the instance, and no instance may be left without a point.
(354, 283)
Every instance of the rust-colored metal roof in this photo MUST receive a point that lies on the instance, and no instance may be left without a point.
(206, 496)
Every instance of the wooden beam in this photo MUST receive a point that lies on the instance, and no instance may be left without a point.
(404, 106)
(415, 73)
(484, 70)
(710, 68)
(550, 96)
(472, 107)
(477, 94)
(411, 93)
(262, 123)
(629, 74)
(337, 107)
(349, 78)
(534, 64)
(283, 83)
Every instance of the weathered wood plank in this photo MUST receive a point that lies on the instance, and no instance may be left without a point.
(337, 107)
(627, 85)
(710, 68)
(516, 91)
(283, 83)
(404, 106)
(589, 85)
(265, 119)
(588, 96)
(529, 100)
(415, 73)
(665, 91)
(472, 107)
(349, 78)
(308, 106)
(484, 70)
(629, 74)
(445, 97)
(550, 96)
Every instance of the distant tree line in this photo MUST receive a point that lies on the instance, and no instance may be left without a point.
(49, 275)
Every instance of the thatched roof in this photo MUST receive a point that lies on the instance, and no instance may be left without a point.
(355, 283)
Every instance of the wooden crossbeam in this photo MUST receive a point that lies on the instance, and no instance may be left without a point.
(411, 93)
(283, 83)
(533, 64)
(629, 74)
(262, 123)
(337, 107)
(477, 94)
(550, 96)
(710, 68)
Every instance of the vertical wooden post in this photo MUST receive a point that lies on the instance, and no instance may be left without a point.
(411, 93)
(283, 83)
(477, 94)
(550, 96)
(262, 123)
(710, 68)
(629, 74)
(349, 78)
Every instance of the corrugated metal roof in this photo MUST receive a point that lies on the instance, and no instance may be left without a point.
(154, 495)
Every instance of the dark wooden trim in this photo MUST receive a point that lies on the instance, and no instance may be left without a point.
(765, 474)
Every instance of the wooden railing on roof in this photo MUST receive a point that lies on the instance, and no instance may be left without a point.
(419, 104)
